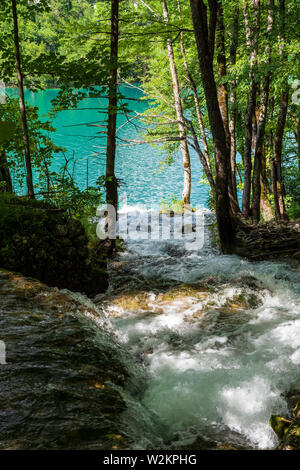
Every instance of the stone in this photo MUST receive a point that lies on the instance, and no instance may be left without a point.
(50, 246)
(60, 381)
(296, 255)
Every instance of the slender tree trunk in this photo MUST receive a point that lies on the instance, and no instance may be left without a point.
(223, 97)
(233, 97)
(260, 134)
(274, 189)
(186, 194)
(222, 71)
(265, 205)
(205, 39)
(29, 178)
(202, 158)
(279, 132)
(205, 159)
(252, 42)
(272, 163)
(111, 181)
(278, 142)
(297, 136)
(5, 174)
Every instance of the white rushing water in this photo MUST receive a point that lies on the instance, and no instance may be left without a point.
(219, 335)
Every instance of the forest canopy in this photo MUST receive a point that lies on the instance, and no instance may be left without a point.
(221, 79)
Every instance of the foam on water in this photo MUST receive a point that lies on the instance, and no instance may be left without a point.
(211, 364)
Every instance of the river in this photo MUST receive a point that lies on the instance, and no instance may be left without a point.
(217, 338)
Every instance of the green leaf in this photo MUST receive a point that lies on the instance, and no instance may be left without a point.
(7, 129)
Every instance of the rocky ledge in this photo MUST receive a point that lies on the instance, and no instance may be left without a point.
(61, 374)
(45, 243)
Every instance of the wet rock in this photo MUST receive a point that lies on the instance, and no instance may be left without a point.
(250, 281)
(185, 290)
(127, 302)
(297, 255)
(59, 388)
(244, 300)
(153, 303)
(228, 440)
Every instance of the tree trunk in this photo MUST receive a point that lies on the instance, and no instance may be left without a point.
(223, 97)
(233, 97)
(29, 178)
(297, 135)
(111, 181)
(252, 43)
(279, 132)
(278, 142)
(186, 194)
(5, 174)
(265, 205)
(205, 159)
(205, 38)
(258, 170)
(272, 163)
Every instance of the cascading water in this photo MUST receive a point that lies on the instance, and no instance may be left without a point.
(219, 335)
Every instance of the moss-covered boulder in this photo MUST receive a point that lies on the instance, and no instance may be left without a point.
(40, 241)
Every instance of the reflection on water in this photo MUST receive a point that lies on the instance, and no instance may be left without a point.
(136, 166)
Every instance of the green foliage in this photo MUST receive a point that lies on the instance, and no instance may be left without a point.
(7, 131)
(41, 146)
(65, 194)
(66, 44)
(171, 204)
(294, 211)
(79, 204)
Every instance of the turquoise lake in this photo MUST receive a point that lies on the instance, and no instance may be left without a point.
(137, 166)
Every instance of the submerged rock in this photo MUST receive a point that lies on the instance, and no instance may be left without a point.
(60, 386)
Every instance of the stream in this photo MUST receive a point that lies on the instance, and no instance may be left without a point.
(218, 336)
(187, 349)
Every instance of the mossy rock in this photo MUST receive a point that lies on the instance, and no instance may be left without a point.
(43, 242)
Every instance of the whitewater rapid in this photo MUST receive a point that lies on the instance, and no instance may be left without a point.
(219, 336)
